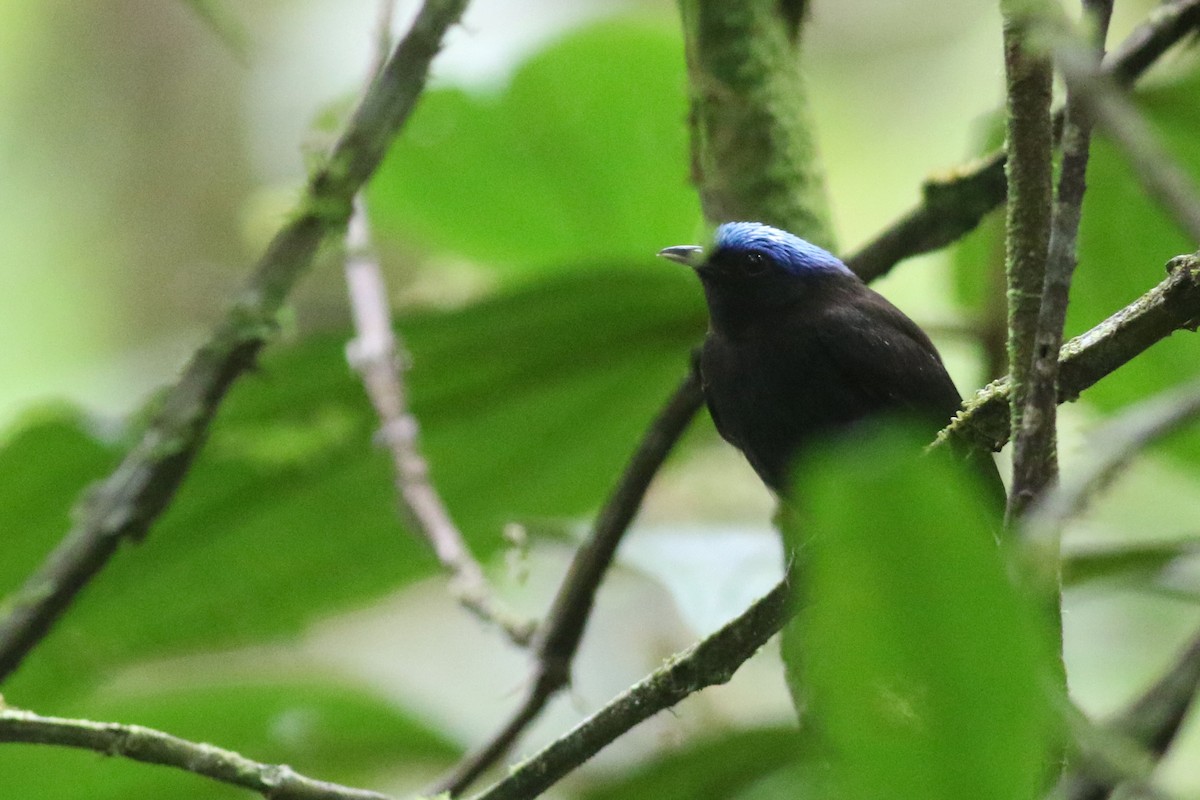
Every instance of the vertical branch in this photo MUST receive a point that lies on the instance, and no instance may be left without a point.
(1030, 137)
(754, 155)
(1035, 455)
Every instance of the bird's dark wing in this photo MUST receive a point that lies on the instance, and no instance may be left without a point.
(887, 359)
(892, 364)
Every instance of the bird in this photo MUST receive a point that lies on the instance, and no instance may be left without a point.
(799, 348)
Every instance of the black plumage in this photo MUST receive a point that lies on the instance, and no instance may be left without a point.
(798, 346)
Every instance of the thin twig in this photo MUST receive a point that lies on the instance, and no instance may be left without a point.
(1035, 443)
(711, 661)
(377, 356)
(125, 505)
(380, 359)
(1030, 137)
(1167, 24)
(272, 781)
(1171, 306)
(953, 206)
(563, 630)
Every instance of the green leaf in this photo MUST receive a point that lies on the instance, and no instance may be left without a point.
(921, 665)
(711, 769)
(530, 403)
(582, 160)
(326, 732)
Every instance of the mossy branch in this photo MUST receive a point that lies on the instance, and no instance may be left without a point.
(754, 155)
(1171, 306)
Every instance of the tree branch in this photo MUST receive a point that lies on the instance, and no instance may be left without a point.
(953, 206)
(711, 661)
(1030, 136)
(1115, 444)
(754, 154)
(563, 629)
(273, 781)
(378, 358)
(1035, 443)
(125, 505)
(1172, 305)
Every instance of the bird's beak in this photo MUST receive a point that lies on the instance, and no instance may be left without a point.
(687, 254)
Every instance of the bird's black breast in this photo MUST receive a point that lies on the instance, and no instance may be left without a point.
(838, 354)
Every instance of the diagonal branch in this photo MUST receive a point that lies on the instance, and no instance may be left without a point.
(125, 505)
(1172, 305)
(380, 360)
(273, 781)
(1153, 720)
(1116, 444)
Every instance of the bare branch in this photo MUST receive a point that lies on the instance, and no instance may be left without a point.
(1114, 445)
(124, 506)
(273, 781)
(1153, 720)
(376, 355)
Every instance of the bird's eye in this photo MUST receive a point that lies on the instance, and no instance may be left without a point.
(756, 263)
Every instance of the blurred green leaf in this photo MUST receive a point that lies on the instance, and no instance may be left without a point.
(1124, 242)
(1126, 561)
(922, 666)
(712, 769)
(582, 159)
(530, 405)
(326, 732)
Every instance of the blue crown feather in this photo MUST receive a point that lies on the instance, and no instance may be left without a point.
(787, 250)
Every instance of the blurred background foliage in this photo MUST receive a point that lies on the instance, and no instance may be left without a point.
(148, 150)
